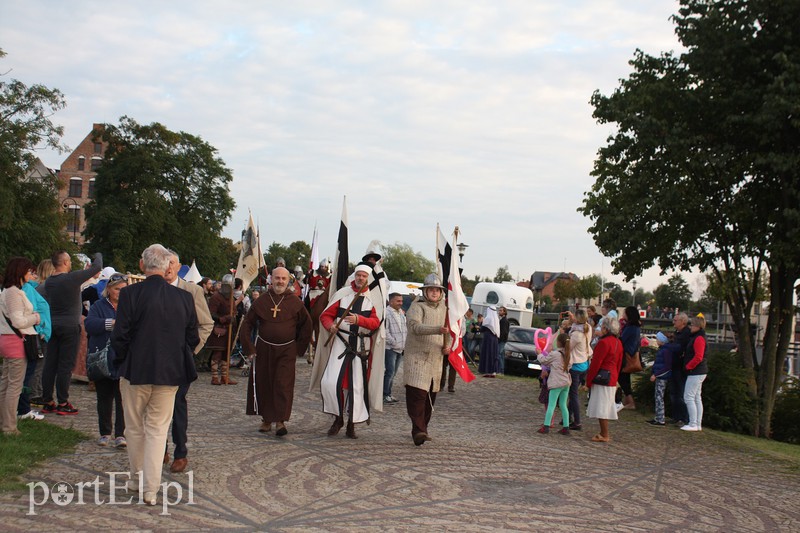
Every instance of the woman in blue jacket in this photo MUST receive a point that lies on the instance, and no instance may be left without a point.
(99, 323)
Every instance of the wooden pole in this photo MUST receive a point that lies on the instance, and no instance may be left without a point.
(339, 323)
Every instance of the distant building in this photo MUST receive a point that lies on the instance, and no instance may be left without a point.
(544, 283)
(77, 176)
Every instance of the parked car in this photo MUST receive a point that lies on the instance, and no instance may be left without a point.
(520, 355)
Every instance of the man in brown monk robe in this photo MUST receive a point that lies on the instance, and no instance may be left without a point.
(284, 331)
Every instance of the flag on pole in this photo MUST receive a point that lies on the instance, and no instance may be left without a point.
(457, 304)
(250, 258)
(342, 259)
(314, 261)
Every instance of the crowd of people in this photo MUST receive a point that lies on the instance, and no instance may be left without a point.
(143, 339)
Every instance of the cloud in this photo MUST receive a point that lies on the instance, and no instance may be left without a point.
(472, 114)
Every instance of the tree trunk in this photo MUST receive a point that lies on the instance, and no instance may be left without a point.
(776, 343)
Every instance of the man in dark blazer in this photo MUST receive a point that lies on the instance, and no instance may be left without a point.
(154, 335)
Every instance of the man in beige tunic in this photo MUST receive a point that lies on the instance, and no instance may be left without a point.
(426, 342)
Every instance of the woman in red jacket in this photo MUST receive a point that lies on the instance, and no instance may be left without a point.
(606, 361)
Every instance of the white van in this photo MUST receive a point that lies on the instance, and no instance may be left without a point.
(517, 300)
(409, 289)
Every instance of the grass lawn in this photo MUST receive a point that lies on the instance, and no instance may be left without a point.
(782, 451)
(39, 441)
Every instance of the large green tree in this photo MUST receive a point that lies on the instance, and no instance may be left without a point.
(402, 263)
(297, 253)
(156, 185)
(703, 169)
(674, 293)
(31, 222)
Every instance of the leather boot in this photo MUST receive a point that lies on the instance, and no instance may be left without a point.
(338, 422)
(224, 369)
(215, 373)
(351, 430)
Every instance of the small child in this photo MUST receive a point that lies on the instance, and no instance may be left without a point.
(558, 381)
(662, 372)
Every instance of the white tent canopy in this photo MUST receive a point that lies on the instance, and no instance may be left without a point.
(193, 275)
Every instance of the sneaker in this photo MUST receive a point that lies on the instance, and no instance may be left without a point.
(120, 442)
(543, 429)
(31, 415)
(689, 427)
(655, 422)
(66, 409)
(104, 440)
(49, 408)
(564, 431)
(574, 427)
(620, 407)
(389, 399)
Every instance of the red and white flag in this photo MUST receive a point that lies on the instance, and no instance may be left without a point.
(457, 304)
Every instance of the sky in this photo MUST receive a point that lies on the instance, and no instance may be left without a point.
(470, 114)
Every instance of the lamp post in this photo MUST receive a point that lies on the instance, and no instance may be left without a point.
(461, 249)
(75, 207)
(633, 284)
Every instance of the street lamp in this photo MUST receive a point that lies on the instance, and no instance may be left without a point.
(461, 249)
(70, 203)
(633, 284)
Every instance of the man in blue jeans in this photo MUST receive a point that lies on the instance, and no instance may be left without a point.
(63, 293)
(503, 338)
(395, 343)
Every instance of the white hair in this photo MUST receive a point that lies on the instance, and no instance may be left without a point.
(611, 324)
(155, 258)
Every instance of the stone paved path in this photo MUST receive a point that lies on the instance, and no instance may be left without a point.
(486, 469)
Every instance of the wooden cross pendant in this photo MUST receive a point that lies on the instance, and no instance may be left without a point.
(275, 310)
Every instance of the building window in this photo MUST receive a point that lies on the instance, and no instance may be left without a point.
(81, 163)
(91, 188)
(75, 187)
(73, 218)
(96, 162)
(98, 148)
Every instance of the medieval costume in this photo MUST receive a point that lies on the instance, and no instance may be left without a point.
(489, 365)
(223, 312)
(283, 329)
(346, 370)
(425, 345)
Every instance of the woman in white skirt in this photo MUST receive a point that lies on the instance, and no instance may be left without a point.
(604, 369)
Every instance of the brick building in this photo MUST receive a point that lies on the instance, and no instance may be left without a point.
(77, 177)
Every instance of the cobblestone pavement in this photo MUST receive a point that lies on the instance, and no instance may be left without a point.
(486, 469)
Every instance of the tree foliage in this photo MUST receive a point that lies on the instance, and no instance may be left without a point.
(297, 253)
(30, 219)
(156, 185)
(503, 275)
(401, 262)
(703, 169)
(565, 289)
(675, 293)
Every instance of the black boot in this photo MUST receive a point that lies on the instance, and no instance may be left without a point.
(338, 422)
(351, 430)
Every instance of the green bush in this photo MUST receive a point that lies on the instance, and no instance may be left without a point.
(726, 403)
(786, 413)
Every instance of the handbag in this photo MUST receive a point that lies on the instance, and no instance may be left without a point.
(603, 377)
(632, 363)
(32, 351)
(544, 392)
(97, 364)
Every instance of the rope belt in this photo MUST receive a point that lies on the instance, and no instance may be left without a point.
(260, 338)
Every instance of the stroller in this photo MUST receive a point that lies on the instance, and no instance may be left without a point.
(238, 359)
